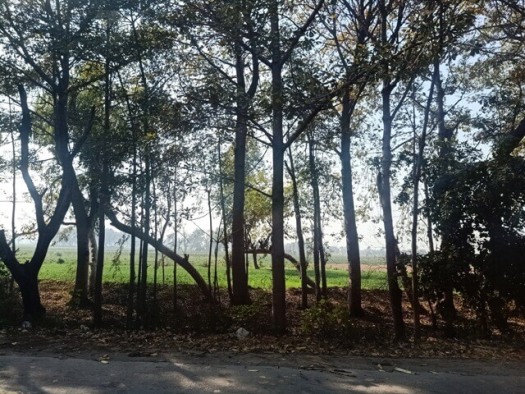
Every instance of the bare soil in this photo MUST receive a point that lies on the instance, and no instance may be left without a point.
(198, 327)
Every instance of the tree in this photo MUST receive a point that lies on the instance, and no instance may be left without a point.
(350, 33)
(47, 39)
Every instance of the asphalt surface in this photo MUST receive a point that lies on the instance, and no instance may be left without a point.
(195, 372)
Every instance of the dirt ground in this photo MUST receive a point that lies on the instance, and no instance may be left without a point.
(199, 327)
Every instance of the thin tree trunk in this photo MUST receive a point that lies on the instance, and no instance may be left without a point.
(352, 238)
(386, 204)
(225, 231)
(418, 164)
(446, 158)
(175, 240)
(320, 273)
(156, 236)
(81, 290)
(13, 206)
(215, 263)
(103, 194)
(93, 253)
(278, 277)
(182, 261)
(299, 231)
(430, 231)
(255, 263)
(97, 317)
(210, 249)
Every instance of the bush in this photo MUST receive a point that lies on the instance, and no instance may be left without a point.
(327, 320)
(489, 281)
(8, 300)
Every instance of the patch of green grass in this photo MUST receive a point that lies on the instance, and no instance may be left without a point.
(365, 260)
(60, 265)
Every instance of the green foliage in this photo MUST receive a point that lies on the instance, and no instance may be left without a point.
(8, 300)
(478, 210)
(327, 320)
(248, 316)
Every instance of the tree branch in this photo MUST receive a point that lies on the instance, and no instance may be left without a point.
(183, 262)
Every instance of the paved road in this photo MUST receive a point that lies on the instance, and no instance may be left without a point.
(251, 373)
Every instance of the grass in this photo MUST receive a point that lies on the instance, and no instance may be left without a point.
(60, 265)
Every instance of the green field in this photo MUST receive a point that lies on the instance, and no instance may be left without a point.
(60, 265)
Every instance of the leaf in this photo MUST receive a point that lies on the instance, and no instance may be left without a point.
(403, 370)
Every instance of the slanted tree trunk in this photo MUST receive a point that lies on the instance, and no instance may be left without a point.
(182, 261)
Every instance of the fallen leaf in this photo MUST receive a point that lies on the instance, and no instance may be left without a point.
(403, 370)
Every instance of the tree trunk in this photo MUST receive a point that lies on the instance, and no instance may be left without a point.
(224, 221)
(28, 285)
(26, 276)
(278, 277)
(386, 204)
(299, 231)
(239, 274)
(93, 253)
(352, 238)
(446, 158)
(182, 261)
(81, 290)
(418, 165)
(320, 273)
(210, 248)
(255, 263)
(430, 229)
(97, 315)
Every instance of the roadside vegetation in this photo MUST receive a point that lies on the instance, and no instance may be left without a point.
(257, 123)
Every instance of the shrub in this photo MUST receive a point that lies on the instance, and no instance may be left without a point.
(327, 320)
(8, 298)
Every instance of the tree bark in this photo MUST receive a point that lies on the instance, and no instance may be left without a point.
(26, 275)
(352, 238)
(278, 278)
(240, 294)
(446, 159)
(300, 236)
(386, 204)
(418, 165)
(319, 261)
(182, 261)
(81, 290)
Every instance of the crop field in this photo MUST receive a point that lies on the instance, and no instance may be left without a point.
(60, 265)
